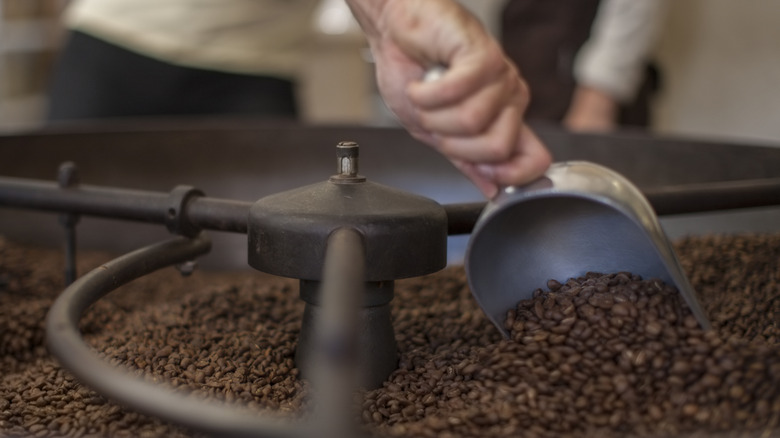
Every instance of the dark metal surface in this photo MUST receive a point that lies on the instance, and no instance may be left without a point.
(655, 161)
(223, 151)
(376, 345)
(406, 235)
(245, 160)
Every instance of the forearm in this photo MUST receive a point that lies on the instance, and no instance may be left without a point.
(623, 34)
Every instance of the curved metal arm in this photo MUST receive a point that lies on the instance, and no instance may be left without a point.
(66, 344)
(334, 361)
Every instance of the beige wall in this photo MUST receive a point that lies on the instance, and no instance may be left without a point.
(29, 37)
(721, 60)
(337, 85)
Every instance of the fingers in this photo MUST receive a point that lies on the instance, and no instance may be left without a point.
(476, 112)
(470, 115)
(485, 185)
(482, 133)
(471, 93)
(473, 66)
(495, 145)
(529, 161)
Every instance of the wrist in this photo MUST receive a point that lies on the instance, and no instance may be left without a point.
(591, 110)
(595, 100)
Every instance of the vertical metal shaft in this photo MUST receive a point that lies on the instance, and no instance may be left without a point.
(67, 177)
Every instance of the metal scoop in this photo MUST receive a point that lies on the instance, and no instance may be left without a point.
(579, 217)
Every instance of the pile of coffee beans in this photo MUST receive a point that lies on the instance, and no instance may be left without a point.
(600, 355)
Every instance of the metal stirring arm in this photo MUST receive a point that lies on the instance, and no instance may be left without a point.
(218, 214)
(333, 382)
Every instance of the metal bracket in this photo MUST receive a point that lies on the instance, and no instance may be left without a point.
(175, 219)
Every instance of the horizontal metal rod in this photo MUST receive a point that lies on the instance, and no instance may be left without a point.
(218, 214)
(116, 203)
(666, 201)
(714, 196)
(84, 199)
(230, 215)
(462, 217)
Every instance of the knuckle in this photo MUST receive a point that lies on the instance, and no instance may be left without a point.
(447, 147)
(496, 149)
(472, 120)
(524, 94)
(517, 86)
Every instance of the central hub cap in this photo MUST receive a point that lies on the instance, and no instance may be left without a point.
(405, 234)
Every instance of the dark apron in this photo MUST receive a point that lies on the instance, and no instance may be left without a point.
(96, 79)
(542, 37)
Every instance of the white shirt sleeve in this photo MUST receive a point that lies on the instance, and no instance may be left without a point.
(622, 36)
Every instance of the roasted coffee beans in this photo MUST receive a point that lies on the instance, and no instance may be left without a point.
(606, 354)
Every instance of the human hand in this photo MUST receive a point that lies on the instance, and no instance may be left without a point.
(591, 110)
(473, 114)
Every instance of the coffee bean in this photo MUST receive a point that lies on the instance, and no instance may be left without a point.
(598, 355)
(653, 328)
(621, 309)
(553, 285)
(165, 351)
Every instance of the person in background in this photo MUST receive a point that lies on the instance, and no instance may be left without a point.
(473, 114)
(588, 62)
(125, 58)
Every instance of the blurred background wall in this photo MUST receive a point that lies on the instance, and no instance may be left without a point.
(720, 61)
(29, 38)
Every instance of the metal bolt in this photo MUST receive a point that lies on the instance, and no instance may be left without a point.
(347, 153)
(67, 175)
(187, 268)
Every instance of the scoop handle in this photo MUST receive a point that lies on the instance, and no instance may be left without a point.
(434, 73)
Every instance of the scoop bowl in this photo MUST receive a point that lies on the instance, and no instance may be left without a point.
(579, 217)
